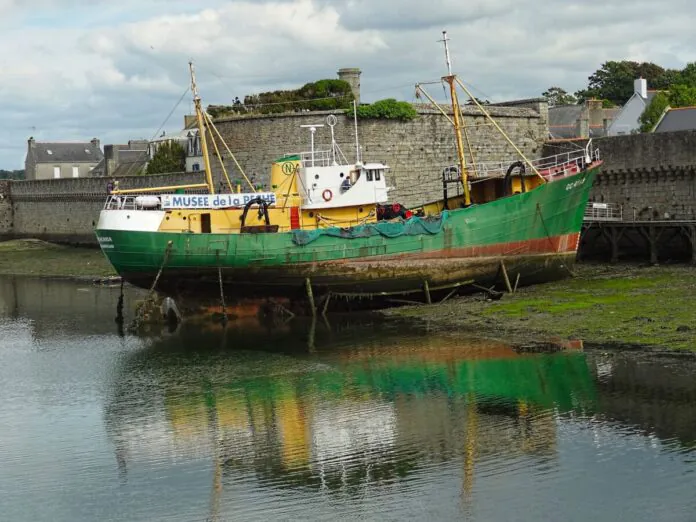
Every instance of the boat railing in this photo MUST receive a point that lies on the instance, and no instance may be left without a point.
(132, 202)
(323, 158)
(603, 212)
(550, 167)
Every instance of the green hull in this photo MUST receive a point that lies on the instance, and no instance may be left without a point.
(536, 233)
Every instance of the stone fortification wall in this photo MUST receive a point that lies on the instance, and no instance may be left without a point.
(416, 151)
(66, 210)
(6, 221)
(652, 176)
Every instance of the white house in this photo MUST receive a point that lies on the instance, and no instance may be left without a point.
(626, 121)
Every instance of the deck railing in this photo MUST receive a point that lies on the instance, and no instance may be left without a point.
(550, 167)
(132, 202)
(603, 212)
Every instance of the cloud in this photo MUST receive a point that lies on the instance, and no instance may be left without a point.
(74, 69)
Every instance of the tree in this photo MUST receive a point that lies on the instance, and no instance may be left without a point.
(11, 174)
(170, 157)
(682, 96)
(558, 96)
(653, 112)
(687, 76)
(614, 80)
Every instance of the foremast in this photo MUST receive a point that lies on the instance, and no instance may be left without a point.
(201, 130)
(457, 122)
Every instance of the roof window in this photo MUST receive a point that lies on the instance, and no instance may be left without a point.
(49, 151)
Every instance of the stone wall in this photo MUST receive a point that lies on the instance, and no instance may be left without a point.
(416, 150)
(66, 210)
(6, 221)
(652, 176)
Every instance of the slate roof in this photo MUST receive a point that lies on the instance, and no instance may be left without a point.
(683, 118)
(563, 120)
(66, 152)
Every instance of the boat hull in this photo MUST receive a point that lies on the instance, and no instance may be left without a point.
(536, 234)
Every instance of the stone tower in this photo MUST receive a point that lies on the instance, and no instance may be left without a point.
(352, 76)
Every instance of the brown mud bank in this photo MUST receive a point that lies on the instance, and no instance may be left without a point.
(605, 306)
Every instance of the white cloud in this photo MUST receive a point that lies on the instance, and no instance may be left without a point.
(76, 68)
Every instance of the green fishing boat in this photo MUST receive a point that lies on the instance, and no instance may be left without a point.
(329, 228)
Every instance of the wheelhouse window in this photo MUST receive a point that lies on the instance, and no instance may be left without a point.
(378, 174)
(368, 175)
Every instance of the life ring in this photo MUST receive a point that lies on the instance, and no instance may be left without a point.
(327, 195)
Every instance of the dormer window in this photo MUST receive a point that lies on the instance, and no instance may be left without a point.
(88, 151)
(49, 152)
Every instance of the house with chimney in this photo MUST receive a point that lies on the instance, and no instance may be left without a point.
(626, 121)
(589, 119)
(56, 160)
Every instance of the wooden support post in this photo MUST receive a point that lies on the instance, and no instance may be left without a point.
(517, 282)
(652, 237)
(505, 276)
(426, 288)
(310, 296)
(326, 305)
(690, 235)
(222, 296)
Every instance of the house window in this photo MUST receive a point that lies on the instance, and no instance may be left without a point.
(56, 172)
(195, 167)
(76, 172)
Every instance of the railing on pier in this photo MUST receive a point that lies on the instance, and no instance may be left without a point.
(603, 212)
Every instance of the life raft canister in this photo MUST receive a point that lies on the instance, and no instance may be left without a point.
(327, 195)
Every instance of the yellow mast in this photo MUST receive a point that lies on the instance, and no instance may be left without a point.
(451, 79)
(201, 131)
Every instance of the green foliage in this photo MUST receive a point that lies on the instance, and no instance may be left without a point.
(170, 157)
(653, 112)
(682, 95)
(389, 109)
(614, 80)
(322, 95)
(557, 96)
(12, 174)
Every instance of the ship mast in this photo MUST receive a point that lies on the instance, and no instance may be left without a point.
(456, 109)
(201, 131)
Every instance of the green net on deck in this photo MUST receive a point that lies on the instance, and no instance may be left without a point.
(414, 226)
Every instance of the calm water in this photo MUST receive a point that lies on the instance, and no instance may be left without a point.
(362, 421)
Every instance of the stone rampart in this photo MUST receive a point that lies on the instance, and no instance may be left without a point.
(652, 176)
(416, 151)
(6, 221)
(66, 210)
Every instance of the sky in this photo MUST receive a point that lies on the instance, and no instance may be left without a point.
(78, 69)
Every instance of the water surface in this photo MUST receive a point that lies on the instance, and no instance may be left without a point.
(354, 420)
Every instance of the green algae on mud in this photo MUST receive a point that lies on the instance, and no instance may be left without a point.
(603, 305)
(30, 257)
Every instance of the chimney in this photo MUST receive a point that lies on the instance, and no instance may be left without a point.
(352, 76)
(640, 87)
(95, 142)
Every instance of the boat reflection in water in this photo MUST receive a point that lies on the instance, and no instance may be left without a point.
(351, 412)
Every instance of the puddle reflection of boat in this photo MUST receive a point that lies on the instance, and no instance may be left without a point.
(369, 406)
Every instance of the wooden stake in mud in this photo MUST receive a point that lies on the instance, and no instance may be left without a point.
(310, 296)
(222, 296)
(505, 276)
(426, 287)
(326, 305)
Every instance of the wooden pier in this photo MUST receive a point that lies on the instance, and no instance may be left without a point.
(607, 230)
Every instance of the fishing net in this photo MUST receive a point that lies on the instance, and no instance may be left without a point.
(414, 226)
